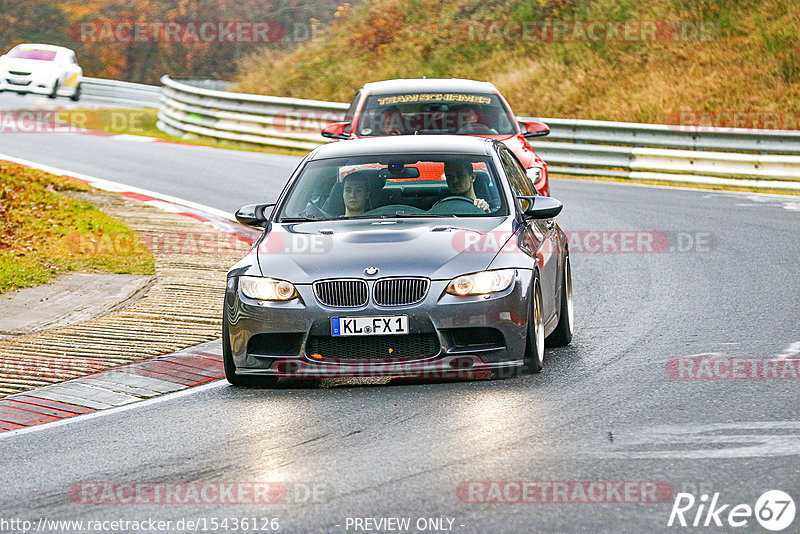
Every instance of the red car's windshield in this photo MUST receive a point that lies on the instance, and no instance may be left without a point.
(28, 53)
(434, 113)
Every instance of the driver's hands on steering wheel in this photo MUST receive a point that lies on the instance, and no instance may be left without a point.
(482, 204)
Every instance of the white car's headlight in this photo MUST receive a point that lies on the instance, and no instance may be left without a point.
(481, 283)
(534, 173)
(258, 288)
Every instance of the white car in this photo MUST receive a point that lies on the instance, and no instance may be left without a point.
(41, 69)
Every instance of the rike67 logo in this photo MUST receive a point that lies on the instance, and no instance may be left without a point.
(774, 510)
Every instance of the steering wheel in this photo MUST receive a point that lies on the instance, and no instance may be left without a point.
(314, 210)
(453, 197)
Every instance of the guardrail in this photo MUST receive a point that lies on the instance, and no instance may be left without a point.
(577, 147)
(264, 120)
(123, 94)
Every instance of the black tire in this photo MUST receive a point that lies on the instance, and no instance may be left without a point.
(230, 367)
(534, 347)
(77, 94)
(55, 90)
(562, 335)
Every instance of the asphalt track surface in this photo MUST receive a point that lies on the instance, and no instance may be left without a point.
(604, 409)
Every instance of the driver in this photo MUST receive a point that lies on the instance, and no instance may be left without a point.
(391, 121)
(469, 121)
(355, 194)
(460, 178)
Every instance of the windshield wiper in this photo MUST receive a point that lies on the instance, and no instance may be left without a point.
(399, 215)
(310, 218)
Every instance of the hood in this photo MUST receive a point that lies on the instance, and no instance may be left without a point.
(304, 252)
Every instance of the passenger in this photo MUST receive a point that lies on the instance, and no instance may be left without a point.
(460, 179)
(356, 194)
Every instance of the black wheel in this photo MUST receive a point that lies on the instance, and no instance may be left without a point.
(562, 335)
(77, 94)
(230, 367)
(55, 91)
(534, 348)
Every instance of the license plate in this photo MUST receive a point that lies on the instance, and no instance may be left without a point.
(369, 326)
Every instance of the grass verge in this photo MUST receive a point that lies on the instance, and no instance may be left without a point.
(706, 56)
(44, 232)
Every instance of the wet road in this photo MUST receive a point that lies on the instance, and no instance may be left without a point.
(611, 407)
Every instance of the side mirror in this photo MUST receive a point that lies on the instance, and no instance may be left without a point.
(253, 215)
(534, 129)
(542, 207)
(336, 130)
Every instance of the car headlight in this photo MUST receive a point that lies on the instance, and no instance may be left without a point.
(534, 173)
(258, 288)
(481, 283)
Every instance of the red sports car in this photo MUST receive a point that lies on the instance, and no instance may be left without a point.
(442, 106)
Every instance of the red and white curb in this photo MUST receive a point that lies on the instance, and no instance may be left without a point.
(113, 388)
(134, 382)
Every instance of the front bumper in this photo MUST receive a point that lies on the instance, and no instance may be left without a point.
(26, 84)
(473, 336)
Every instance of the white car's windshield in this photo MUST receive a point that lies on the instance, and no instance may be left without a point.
(32, 53)
(397, 186)
(434, 113)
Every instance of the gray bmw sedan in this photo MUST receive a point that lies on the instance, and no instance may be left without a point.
(415, 256)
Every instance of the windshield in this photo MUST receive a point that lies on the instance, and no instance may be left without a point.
(434, 113)
(30, 53)
(395, 187)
